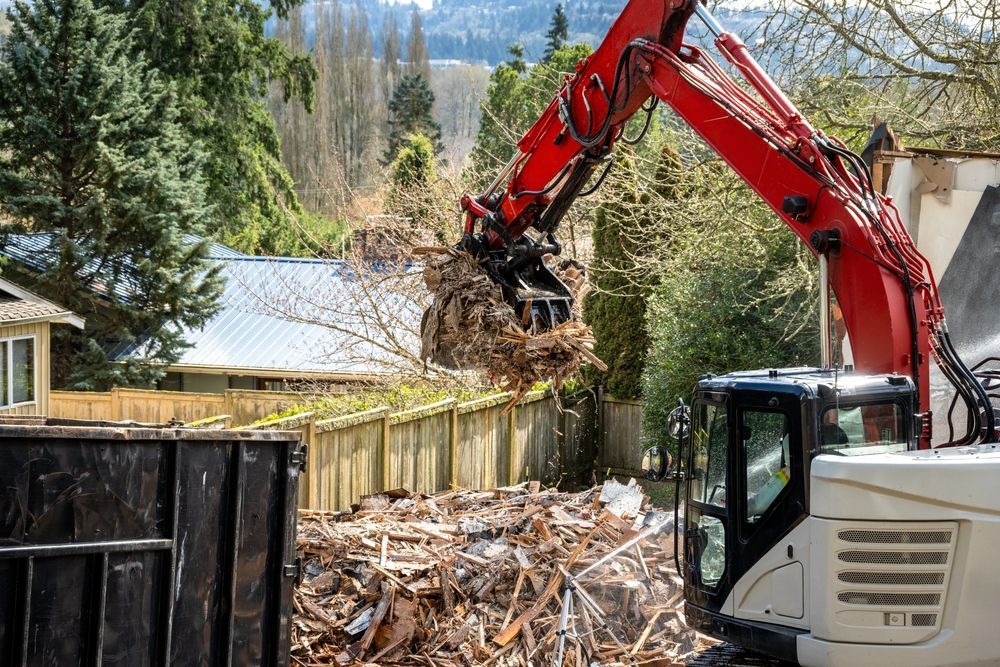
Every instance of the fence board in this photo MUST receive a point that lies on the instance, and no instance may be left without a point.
(246, 407)
(539, 426)
(580, 436)
(81, 405)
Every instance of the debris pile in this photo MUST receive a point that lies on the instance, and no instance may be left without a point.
(479, 578)
(470, 324)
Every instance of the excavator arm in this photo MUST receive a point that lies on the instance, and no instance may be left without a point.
(814, 184)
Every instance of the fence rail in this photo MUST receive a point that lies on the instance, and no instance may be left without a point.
(242, 407)
(447, 444)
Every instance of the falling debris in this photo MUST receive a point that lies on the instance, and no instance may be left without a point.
(470, 324)
(481, 578)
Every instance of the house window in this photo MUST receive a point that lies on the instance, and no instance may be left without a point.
(17, 382)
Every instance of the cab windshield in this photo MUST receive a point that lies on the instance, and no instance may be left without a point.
(851, 430)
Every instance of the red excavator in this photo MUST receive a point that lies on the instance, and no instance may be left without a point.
(820, 524)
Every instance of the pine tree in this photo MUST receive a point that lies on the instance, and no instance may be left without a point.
(91, 152)
(558, 33)
(410, 112)
(516, 61)
(221, 61)
(417, 57)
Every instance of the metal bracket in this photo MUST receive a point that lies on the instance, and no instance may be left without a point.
(294, 570)
(300, 457)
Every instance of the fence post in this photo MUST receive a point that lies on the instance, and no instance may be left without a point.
(601, 435)
(116, 405)
(511, 441)
(311, 487)
(453, 446)
(386, 453)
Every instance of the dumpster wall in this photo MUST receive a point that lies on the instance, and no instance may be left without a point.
(145, 546)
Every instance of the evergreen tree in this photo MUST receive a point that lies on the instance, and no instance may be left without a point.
(410, 112)
(411, 192)
(91, 152)
(558, 32)
(513, 103)
(417, 57)
(617, 308)
(221, 62)
(516, 61)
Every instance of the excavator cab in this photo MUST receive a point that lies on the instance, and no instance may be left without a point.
(752, 438)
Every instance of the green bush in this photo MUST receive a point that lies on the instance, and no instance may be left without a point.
(734, 293)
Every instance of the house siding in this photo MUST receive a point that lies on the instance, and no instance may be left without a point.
(43, 364)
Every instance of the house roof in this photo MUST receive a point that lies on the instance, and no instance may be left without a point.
(282, 317)
(19, 306)
(300, 317)
(37, 252)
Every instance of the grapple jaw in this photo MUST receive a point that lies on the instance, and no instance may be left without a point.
(539, 298)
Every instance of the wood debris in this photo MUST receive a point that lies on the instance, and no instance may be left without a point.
(470, 324)
(478, 578)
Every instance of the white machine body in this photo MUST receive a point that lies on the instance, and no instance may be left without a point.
(896, 564)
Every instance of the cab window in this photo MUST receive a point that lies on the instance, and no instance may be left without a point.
(764, 436)
(863, 429)
(709, 436)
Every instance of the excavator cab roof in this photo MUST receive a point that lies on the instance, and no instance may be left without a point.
(845, 412)
(813, 383)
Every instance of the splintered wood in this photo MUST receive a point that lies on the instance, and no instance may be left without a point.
(479, 578)
(470, 324)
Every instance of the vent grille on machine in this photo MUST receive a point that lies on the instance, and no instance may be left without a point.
(901, 572)
(891, 599)
(893, 578)
(896, 536)
(895, 557)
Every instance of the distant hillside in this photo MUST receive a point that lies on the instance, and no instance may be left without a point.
(481, 30)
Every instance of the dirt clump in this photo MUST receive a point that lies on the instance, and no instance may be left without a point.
(469, 325)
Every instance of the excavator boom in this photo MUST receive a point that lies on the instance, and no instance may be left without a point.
(821, 190)
(813, 530)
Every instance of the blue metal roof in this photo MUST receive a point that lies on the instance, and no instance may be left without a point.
(282, 314)
(38, 252)
(312, 316)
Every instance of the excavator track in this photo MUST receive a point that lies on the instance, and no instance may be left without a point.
(730, 655)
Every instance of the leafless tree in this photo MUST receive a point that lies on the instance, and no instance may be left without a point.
(458, 92)
(931, 67)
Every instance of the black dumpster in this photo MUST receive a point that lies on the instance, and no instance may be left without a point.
(132, 545)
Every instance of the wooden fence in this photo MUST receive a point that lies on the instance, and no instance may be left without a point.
(621, 435)
(469, 445)
(158, 407)
(448, 444)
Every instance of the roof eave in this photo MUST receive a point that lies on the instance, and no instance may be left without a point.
(279, 373)
(56, 318)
